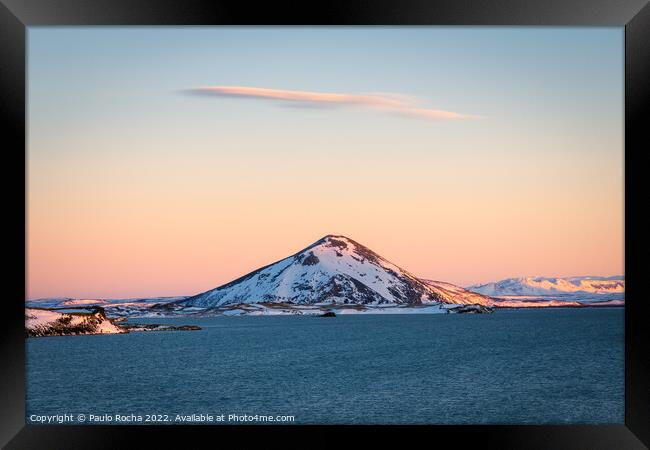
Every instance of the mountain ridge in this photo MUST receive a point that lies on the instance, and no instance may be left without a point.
(596, 285)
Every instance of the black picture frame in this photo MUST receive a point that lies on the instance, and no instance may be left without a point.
(634, 15)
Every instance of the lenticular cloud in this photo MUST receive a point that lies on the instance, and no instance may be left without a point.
(393, 103)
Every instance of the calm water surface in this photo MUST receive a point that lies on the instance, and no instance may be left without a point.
(513, 366)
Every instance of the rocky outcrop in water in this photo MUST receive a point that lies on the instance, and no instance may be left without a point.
(49, 322)
(470, 309)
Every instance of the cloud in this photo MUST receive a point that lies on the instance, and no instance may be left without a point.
(388, 102)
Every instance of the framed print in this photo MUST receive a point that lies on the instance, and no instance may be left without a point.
(390, 220)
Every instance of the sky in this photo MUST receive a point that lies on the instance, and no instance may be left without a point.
(170, 160)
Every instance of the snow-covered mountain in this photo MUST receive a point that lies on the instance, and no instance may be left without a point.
(545, 286)
(334, 269)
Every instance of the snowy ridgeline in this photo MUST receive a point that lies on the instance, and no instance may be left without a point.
(548, 291)
(538, 286)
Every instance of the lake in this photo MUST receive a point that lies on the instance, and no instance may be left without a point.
(510, 367)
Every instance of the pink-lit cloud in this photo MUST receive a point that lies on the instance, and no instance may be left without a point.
(393, 103)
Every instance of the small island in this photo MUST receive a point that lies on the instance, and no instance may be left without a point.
(40, 322)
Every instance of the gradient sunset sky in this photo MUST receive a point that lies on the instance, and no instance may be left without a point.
(167, 161)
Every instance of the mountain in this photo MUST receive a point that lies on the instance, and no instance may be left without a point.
(334, 269)
(545, 286)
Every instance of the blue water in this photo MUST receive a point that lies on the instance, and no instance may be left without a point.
(513, 366)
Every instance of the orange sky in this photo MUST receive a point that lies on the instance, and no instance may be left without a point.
(136, 189)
